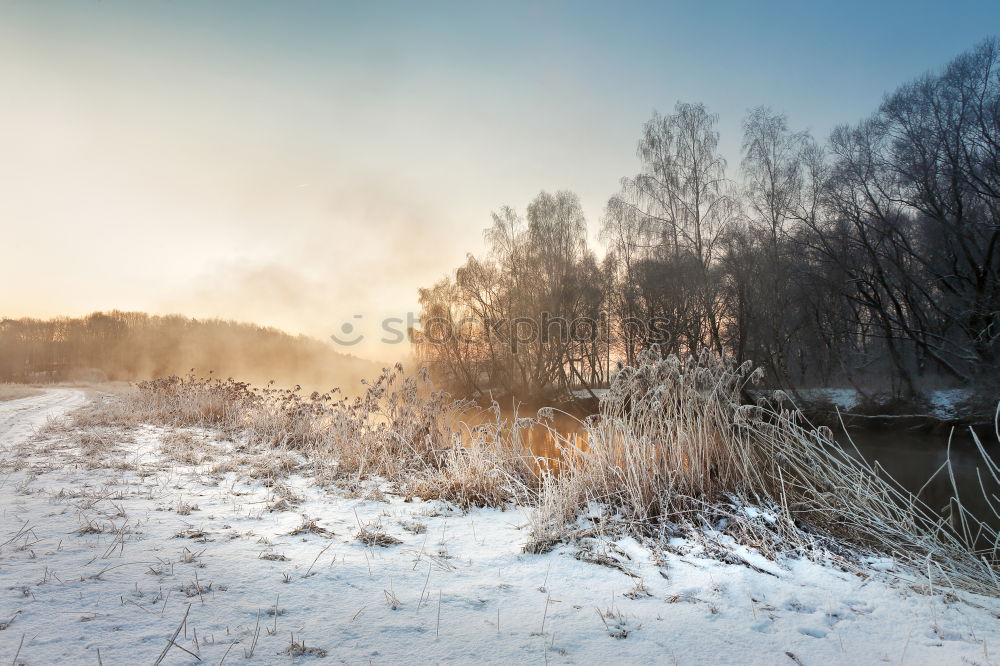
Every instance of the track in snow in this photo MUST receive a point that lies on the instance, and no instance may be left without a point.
(20, 419)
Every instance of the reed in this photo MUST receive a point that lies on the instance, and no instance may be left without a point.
(673, 448)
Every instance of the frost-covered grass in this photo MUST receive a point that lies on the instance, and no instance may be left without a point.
(673, 448)
(145, 542)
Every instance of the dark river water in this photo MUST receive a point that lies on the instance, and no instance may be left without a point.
(911, 457)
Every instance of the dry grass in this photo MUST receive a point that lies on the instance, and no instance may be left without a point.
(673, 449)
(17, 391)
(374, 535)
(299, 649)
(399, 430)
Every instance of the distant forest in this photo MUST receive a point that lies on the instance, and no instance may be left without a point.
(125, 346)
(869, 260)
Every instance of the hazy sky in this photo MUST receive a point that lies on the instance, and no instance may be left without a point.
(296, 163)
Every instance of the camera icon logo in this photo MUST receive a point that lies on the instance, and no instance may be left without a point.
(347, 338)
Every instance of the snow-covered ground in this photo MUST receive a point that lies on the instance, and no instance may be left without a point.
(946, 403)
(111, 547)
(19, 419)
(844, 399)
(943, 404)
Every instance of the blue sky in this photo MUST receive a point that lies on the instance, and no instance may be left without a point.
(288, 161)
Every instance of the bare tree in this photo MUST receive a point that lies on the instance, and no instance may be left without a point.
(671, 216)
(510, 322)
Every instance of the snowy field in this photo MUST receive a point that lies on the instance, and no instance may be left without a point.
(161, 547)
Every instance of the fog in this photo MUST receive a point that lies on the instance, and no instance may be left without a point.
(298, 165)
(131, 346)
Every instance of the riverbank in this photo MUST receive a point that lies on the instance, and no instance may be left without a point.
(156, 541)
(936, 409)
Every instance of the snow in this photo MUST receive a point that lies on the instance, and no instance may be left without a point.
(96, 558)
(20, 419)
(756, 512)
(598, 393)
(946, 403)
(844, 399)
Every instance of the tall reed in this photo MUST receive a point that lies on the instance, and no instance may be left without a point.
(674, 446)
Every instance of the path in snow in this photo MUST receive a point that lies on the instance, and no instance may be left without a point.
(20, 419)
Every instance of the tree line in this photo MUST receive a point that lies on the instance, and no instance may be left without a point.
(126, 346)
(870, 259)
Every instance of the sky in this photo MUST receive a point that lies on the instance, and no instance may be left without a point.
(302, 164)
